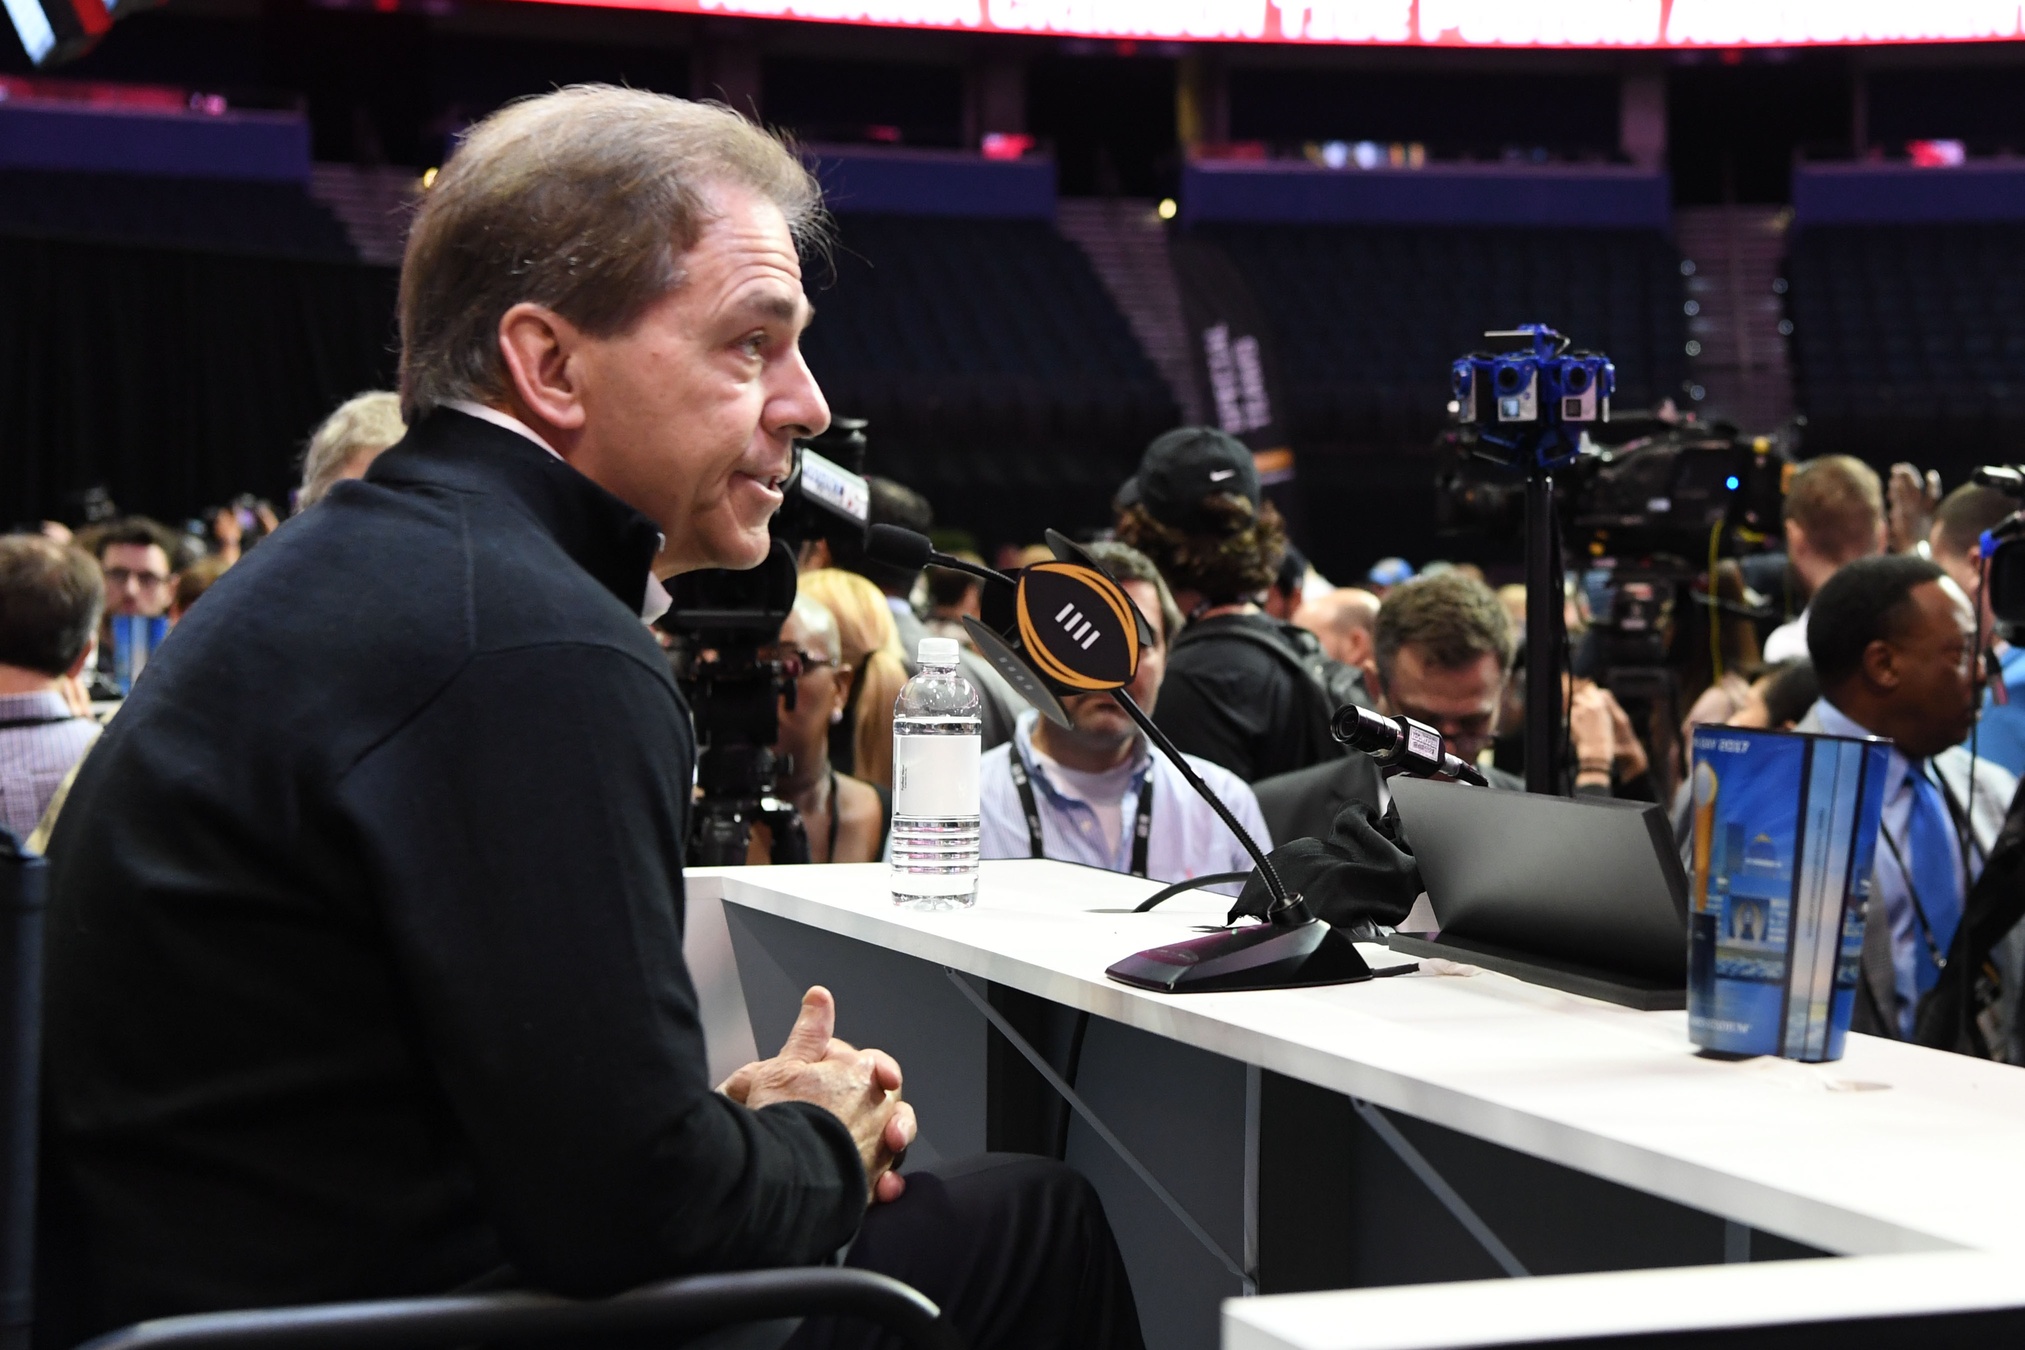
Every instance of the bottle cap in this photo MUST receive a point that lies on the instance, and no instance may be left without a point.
(936, 651)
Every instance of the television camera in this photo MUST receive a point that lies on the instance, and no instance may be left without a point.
(722, 631)
(1648, 507)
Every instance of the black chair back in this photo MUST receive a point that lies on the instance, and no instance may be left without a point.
(22, 895)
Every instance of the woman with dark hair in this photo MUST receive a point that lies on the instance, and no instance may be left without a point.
(1243, 689)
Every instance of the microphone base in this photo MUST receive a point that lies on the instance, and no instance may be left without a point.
(1266, 956)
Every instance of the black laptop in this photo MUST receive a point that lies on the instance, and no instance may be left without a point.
(1585, 895)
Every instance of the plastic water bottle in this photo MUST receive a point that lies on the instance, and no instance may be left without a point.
(936, 747)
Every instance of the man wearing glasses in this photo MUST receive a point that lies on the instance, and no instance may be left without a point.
(137, 557)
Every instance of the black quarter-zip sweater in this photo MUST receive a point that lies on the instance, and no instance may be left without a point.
(365, 937)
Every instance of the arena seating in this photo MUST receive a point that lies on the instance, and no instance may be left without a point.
(1369, 317)
(248, 217)
(1910, 339)
(995, 370)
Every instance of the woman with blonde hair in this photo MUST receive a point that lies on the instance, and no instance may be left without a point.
(844, 818)
(862, 744)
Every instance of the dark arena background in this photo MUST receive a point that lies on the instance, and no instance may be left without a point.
(1053, 240)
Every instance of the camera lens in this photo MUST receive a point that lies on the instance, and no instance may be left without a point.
(1576, 379)
(1508, 379)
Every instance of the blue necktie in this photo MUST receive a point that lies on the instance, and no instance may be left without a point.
(1935, 849)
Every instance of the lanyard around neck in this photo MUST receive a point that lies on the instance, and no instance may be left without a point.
(42, 720)
(1142, 826)
(1918, 772)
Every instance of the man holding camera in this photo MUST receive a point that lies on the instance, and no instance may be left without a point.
(365, 969)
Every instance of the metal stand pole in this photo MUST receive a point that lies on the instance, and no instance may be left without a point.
(1543, 638)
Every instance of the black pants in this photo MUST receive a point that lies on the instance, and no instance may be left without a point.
(1015, 1250)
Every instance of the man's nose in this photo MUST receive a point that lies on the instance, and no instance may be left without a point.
(798, 407)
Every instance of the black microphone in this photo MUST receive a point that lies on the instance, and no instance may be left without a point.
(898, 546)
(1400, 745)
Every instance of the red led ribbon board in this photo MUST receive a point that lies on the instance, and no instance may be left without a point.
(1659, 24)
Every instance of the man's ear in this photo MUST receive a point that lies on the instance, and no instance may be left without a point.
(1880, 665)
(83, 659)
(542, 351)
(1796, 538)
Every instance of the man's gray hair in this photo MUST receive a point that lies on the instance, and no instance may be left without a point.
(583, 201)
(1126, 563)
(370, 421)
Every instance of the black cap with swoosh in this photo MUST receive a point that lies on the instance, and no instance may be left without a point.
(1183, 468)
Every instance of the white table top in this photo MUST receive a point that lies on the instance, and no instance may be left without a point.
(1785, 1147)
(1622, 1303)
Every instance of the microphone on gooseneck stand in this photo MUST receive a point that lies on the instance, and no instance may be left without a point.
(1400, 745)
(1076, 631)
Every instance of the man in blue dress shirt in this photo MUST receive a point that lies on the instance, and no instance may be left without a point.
(1892, 642)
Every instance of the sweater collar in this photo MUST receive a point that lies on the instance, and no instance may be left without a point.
(603, 535)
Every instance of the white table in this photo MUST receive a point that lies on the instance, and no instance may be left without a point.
(1787, 1149)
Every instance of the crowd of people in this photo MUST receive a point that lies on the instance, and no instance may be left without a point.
(1864, 625)
(1252, 653)
(82, 609)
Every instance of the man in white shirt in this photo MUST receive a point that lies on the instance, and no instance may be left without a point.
(1097, 792)
(1891, 644)
(1834, 515)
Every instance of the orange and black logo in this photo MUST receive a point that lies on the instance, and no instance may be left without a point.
(1077, 626)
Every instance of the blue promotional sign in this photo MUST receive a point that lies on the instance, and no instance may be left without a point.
(1785, 825)
(134, 639)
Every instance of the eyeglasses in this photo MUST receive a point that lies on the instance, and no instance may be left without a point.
(147, 581)
(796, 663)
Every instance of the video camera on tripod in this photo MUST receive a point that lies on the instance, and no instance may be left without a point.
(1524, 407)
(724, 649)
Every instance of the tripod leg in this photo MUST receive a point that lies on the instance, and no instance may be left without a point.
(722, 836)
(790, 837)
(1543, 639)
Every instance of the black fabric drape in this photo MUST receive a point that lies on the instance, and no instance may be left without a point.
(176, 378)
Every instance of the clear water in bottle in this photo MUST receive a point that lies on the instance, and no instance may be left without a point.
(936, 748)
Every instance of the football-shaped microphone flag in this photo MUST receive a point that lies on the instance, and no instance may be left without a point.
(1077, 626)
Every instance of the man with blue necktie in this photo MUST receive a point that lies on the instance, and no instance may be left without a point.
(1892, 642)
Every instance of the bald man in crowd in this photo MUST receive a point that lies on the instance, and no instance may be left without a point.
(1346, 622)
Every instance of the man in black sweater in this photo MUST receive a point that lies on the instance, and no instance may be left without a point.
(365, 942)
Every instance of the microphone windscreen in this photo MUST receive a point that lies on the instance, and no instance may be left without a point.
(898, 546)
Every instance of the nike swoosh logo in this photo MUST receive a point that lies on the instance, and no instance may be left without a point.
(1218, 475)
